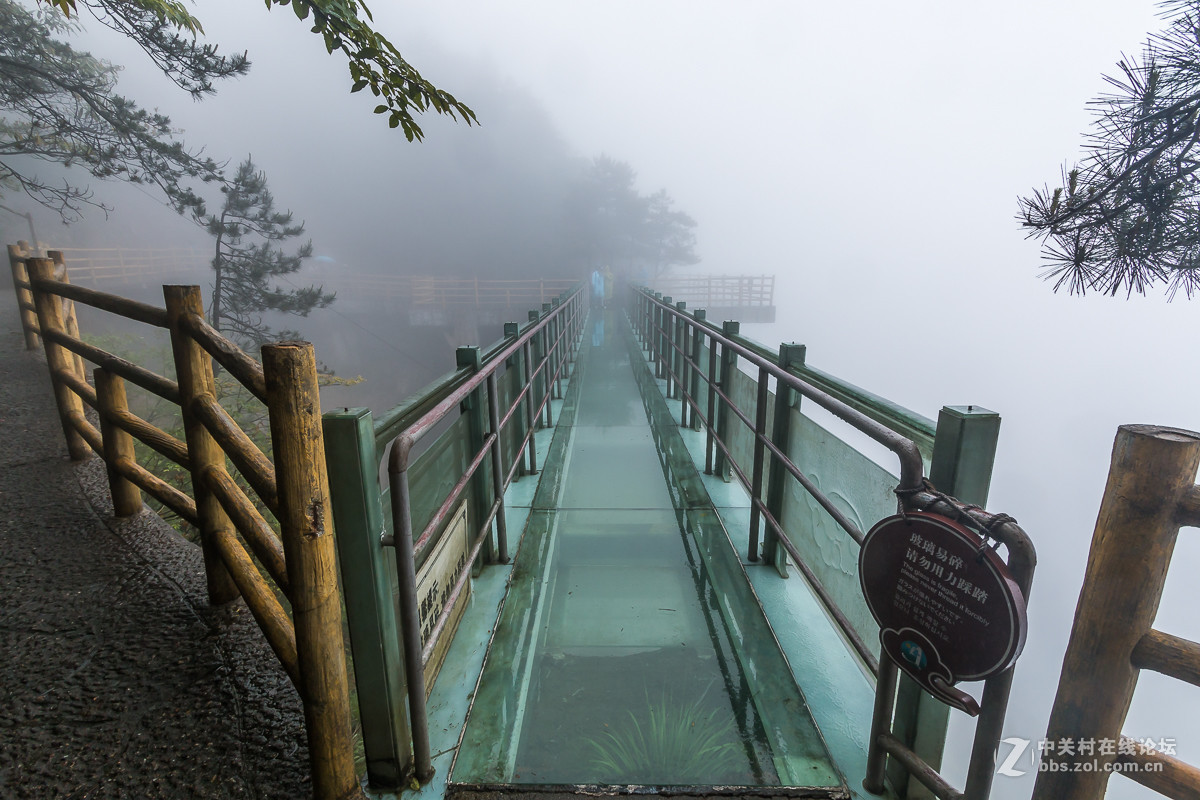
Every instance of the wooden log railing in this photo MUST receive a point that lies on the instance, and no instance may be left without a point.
(1151, 493)
(287, 579)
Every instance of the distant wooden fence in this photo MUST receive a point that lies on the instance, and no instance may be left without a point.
(105, 266)
(294, 487)
(1151, 493)
(720, 291)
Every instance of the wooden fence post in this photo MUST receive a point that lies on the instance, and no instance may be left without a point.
(70, 320)
(16, 260)
(306, 520)
(193, 367)
(118, 443)
(1152, 469)
(59, 359)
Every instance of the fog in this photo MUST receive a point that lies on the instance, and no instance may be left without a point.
(869, 154)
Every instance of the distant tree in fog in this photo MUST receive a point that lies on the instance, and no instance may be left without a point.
(611, 223)
(248, 257)
(59, 105)
(1128, 217)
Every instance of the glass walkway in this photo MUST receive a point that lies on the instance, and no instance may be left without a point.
(630, 649)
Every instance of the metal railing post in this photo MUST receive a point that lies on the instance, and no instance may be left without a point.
(531, 390)
(549, 353)
(790, 356)
(353, 466)
(513, 368)
(964, 452)
(696, 349)
(678, 352)
(728, 366)
(473, 408)
(760, 448)
(657, 332)
(544, 363)
(498, 470)
(713, 378)
(556, 326)
(535, 358)
(410, 612)
(664, 342)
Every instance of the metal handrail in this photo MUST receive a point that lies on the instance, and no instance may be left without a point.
(656, 319)
(555, 333)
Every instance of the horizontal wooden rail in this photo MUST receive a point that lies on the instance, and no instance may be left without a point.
(115, 304)
(1189, 508)
(241, 366)
(264, 606)
(255, 467)
(153, 437)
(159, 489)
(1169, 655)
(88, 431)
(77, 384)
(250, 524)
(152, 382)
(1159, 772)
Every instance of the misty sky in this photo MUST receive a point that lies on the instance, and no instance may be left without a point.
(870, 154)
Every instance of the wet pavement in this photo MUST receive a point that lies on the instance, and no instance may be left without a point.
(116, 678)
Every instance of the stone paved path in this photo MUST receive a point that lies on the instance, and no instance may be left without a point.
(116, 679)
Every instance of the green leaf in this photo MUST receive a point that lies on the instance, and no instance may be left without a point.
(358, 87)
(380, 109)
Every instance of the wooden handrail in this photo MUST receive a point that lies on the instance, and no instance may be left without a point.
(160, 490)
(1168, 655)
(264, 606)
(82, 389)
(255, 467)
(1189, 508)
(115, 304)
(250, 524)
(241, 366)
(1159, 772)
(153, 437)
(152, 382)
(87, 431)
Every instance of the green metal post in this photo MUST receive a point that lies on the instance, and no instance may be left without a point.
(678, 353)
(696, 349)
(368, 572)
(513, 372)
(474, 407)
(790, 356)
(535, 357)
(728, 367)
(964, 452)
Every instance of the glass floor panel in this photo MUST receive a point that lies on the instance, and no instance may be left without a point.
(619, 658)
